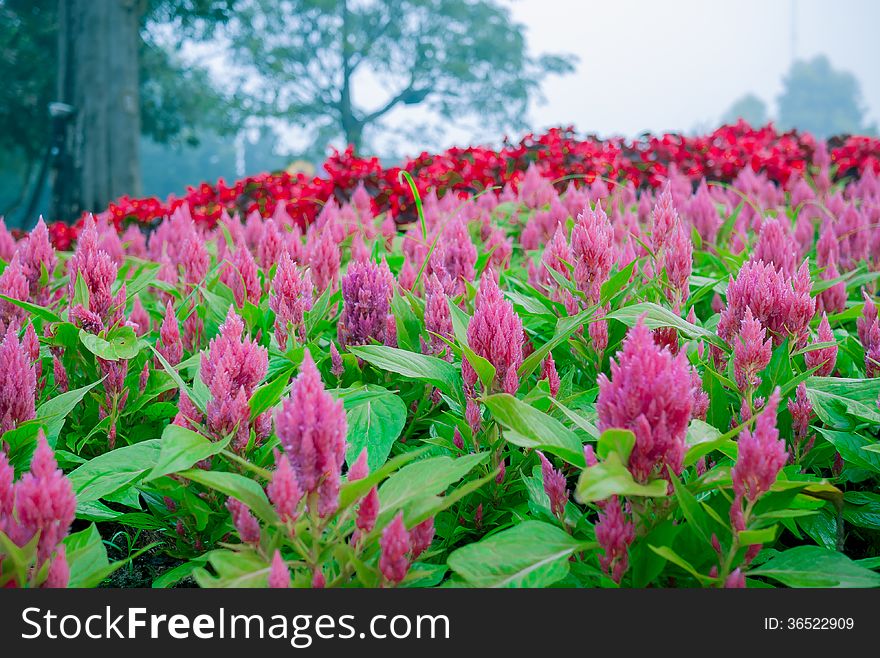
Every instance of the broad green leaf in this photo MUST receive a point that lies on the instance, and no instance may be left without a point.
(54, 411)
(121, 343)
(610, 477)
(237, 486)
(40, 311)
(181, 448)
(618, 441)
(412, 365)
(658, 316)
(236, 569)
(485, 370)
(530, 554)
(565, 327)
(528, 427)
(269, 394)
(104, 474)
(814, 566)
(87, 558)
(374, 423)
(424, 478)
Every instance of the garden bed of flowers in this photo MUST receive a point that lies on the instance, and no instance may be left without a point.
(624, 366)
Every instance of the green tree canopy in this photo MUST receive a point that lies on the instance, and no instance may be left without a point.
(821, 99)
(748, 107)
(307, 59)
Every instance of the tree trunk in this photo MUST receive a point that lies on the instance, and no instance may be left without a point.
(98, 77)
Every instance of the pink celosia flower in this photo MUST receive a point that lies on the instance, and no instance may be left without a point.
(96, 269)
(867, 324)
(395, 544)
(554, 486)
(188, 414)
(421, 537)
(14, 284)
(592, 246)
(549, 373)
(59, 571)
(736, 580)
(245, 522)
(169, 344)
(649, 393)
(60, 375)
(438, 318)
(18, 384)
(782, 305)
(337, 368)
(776, 247)
(801, 410)
(241, 274)
(495, 333)
(44, 501)
(761, 455)
(7, 241)
(232, 368)
(139, 318)
(664, 217)
(271, 245)
(678, 262)
(279, 574)
(323, 260)
(454, 255)
(368, 511)
(457, 439)
(703, 214)
(614, 534)
(367, 290)
(359, 469)
(751, 353)
(283, 490)
(37, 256)
(700, 397)
(311, 426)
(826, 357)
(290, 299)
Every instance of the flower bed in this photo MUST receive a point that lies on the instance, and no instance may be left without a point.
(646, 378)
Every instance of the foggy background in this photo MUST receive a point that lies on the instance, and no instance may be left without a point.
(208, 75)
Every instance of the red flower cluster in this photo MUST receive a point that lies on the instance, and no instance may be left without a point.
(558, 154)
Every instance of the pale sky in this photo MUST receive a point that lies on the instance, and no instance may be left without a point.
(679, 64)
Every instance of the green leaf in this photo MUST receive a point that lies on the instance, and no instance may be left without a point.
(181, 448)
(237, 486)
(692, 511)
(54, 411)
(814, 566)
(565, 327)
(851, 448)
(87, 558)
(374, 423)
(657, 317)
(242, 568)
(611, 478)
(530, 554)
(843, 403)
(269, 394)
(618, 441)
(121, 343)
(528, 427)
(441, 374)
(423, 479)
(762, 536)
(110, 472)
(40, 311)
(200, 401)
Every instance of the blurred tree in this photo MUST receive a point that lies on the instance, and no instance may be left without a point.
(748, 107)
(453, 57)
(819, 99)
(170, 100)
